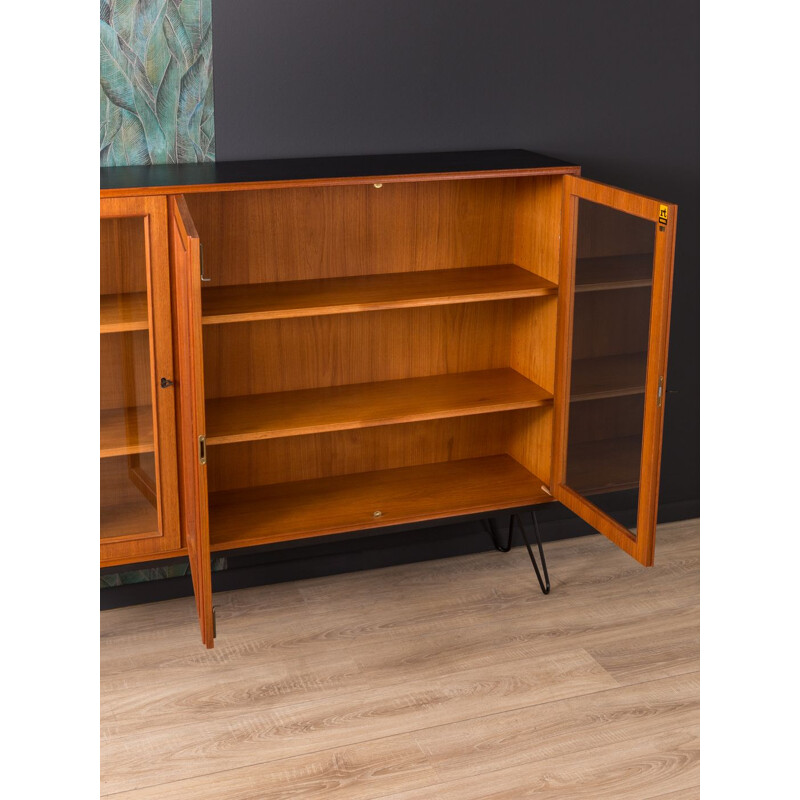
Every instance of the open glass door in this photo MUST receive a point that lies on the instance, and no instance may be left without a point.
(614, 304)
(185, 247)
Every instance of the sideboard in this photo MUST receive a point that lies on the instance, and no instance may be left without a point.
(304, 347)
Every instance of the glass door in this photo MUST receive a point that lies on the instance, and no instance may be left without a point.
(615, 296)
(187, 270)
(138, 473)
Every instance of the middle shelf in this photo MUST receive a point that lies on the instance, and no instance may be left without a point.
(364, 405)
(287, 299)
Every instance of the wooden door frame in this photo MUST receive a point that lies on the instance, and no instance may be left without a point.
(153, 210)
(642, 545)
(185, 250)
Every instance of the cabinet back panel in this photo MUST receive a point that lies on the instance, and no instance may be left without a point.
(335, 231)
(122, 255)
(282, 355)
(296, 458)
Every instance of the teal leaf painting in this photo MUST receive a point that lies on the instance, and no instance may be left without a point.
(156, 82)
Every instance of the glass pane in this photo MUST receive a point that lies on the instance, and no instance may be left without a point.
(128, 504)
(613, 281)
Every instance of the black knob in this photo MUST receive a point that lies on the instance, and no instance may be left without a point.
(165, 383)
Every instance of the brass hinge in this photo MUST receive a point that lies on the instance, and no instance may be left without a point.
(660, 390)
(202, 449)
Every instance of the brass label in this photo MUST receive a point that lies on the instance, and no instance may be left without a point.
(663, 214)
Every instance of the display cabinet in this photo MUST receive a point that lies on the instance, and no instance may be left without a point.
(363, 343)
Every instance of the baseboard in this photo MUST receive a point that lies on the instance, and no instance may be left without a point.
(336, 556)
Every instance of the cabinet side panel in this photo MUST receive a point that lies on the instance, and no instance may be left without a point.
(533, 339)
(533, 351)
(537, 225)
(530, 441)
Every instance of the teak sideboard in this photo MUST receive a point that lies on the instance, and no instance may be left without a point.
(304, 347)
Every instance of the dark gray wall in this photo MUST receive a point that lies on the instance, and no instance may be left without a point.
(611, 85)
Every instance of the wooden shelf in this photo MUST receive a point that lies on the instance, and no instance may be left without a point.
(303, 509)
(608, 465)
(123, 312)
(365, 405)
(125, 431)
(138, 519)
(613, 272)
(369, 293)
(608, 376)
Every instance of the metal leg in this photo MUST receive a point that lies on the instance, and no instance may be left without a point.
(503, 548)
(544, 584)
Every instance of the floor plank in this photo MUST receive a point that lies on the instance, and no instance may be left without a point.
(445, 679)
(641, 770)
(201, 748)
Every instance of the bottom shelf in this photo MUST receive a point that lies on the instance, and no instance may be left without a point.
(302, 509)
(607, 465)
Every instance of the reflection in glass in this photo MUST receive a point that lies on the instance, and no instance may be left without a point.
(613, 280)
(128, 498)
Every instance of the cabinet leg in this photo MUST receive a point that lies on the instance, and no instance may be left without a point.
(541, 575)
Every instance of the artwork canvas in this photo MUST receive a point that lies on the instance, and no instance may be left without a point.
(156, 82)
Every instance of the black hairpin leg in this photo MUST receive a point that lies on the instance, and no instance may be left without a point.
(544, 583)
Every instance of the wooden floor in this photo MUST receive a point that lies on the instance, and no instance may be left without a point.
(447, 680)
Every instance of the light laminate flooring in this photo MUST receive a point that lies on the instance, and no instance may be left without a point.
(446, 680)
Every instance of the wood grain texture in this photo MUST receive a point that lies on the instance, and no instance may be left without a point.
(123, 256)
(310, 298)
(284, 355)
(124, 519)
(300, 509)
(446, 679)
(537, 225)
(596, 602)
(364, 405)
(533, 350)
(135, 258)
(123, 312)
(300, 234)
(126, 430)
(190, 406)
(321, 455)
(603, 236)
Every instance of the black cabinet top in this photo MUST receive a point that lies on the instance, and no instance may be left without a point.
(296, 169)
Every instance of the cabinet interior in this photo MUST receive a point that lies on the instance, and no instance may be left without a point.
(376, 355)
